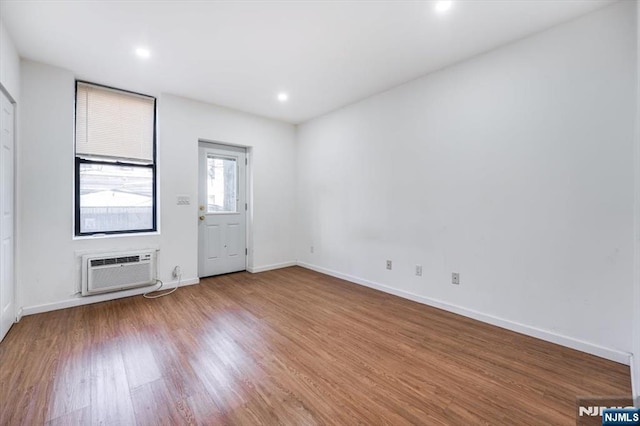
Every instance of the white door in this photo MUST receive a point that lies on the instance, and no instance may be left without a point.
(7, 289)
(222, 209)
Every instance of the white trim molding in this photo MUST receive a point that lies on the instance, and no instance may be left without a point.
(256, 269)
(87, 300)
(580, 345)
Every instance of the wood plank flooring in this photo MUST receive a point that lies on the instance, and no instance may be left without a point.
(286, 347)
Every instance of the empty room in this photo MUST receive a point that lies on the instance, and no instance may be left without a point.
(320, 212)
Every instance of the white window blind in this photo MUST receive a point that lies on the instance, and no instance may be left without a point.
(114, 124)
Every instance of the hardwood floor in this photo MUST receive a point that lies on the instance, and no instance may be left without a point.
(286, 347)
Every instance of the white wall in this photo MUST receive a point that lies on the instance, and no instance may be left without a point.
(182, 123)
(47, 258)
(48, 253)
(9, 64)
(514, 168)
(635, 368)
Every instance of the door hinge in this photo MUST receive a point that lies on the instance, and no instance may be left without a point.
(245, 206)
(246, 252)
(246, 161)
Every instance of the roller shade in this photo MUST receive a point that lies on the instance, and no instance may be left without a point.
(114, 124)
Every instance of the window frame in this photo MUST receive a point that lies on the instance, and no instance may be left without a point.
(114, 161)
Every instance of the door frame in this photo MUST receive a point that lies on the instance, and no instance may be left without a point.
(248, 191)
(16, 314)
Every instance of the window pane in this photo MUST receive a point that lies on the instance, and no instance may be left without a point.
(115, 198)
(221, 185)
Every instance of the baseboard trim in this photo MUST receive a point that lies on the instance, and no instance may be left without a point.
(256, 269)
(580, 345)
(79, 300)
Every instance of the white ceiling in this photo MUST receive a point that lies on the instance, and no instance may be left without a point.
(325, 54)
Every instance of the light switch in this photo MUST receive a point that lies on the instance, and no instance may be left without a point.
(183, 200)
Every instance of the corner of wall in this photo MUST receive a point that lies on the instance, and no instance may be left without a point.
(635, 359)
(9, 64)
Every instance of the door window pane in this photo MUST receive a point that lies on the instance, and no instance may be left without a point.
(115, 198)
(221, 185)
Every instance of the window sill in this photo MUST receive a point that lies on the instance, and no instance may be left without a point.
(107, 236)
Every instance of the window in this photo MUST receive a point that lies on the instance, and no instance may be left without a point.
(221, 185)
(115, 161)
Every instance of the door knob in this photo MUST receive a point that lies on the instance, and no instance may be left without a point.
(201, 217)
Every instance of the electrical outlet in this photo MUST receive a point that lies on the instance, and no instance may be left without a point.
(455, 278)
(176, 272)
(389, 265)
(419, 270)
(312, 250)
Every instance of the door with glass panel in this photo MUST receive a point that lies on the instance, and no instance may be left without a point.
(221, 209)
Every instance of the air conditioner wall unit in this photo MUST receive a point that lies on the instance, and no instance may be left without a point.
(107, 272)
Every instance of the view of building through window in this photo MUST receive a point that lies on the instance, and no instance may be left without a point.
(115, 197)
(221, 185)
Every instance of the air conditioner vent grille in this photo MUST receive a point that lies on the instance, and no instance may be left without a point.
(115, 260)
(120, 277)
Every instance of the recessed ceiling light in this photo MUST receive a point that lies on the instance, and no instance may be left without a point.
(443, 5)
(143, 52)
(283, 97)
